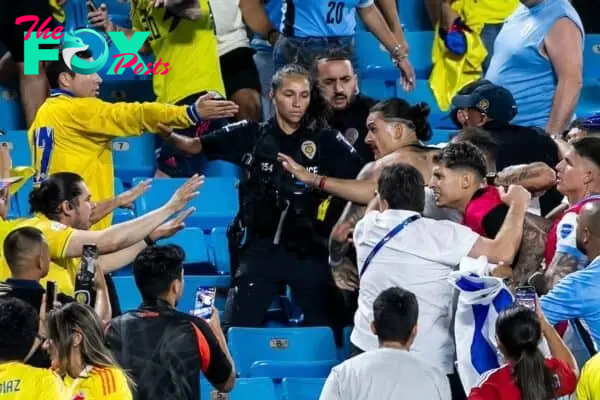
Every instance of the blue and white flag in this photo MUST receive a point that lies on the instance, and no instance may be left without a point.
(480, 301)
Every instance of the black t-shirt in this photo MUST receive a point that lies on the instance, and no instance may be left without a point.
(355, 118)
(524, 145)
(165, 351)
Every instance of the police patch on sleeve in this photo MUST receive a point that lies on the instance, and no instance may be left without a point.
(565, 230)
(340, 138)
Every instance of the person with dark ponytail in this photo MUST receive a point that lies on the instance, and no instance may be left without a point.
(284, 220)
(528, 375)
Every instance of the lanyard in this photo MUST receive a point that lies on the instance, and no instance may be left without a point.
(386, 239)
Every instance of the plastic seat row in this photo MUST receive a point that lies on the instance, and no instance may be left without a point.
(265, 389)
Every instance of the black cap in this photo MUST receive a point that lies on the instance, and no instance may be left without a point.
(494, 101)
(467, 89)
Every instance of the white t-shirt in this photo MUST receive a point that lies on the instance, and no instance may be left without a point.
(386, 374)
(418, 259)
(231, 31)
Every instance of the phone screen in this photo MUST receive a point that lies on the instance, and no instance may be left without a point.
(204, 301)
(89, 254)
(50, 295)
(525, 296)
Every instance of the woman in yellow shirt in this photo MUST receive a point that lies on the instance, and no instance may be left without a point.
(76, 347)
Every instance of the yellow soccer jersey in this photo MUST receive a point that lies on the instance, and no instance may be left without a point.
(99, 384)
(24, 382)
(74, 134)
(58, 235)
(190, 48)
(588, 387)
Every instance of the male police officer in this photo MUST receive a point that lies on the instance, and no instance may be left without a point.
(285, 236)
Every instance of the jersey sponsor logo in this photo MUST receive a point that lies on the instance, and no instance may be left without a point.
(57, 226)
(10, 386)
(566, 230)
(309, 149)
(72, 44)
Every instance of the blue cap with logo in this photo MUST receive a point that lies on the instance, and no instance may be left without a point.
(591, 122)
(494, 101)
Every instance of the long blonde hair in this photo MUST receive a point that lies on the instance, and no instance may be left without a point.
(60, 325)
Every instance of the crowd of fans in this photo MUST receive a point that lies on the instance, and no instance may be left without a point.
(416, 246)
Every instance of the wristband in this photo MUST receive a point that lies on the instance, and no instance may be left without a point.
(322, 182)
(149, 242)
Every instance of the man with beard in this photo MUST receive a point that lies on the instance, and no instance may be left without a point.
(338, 85)
(395, 130)
(575, 296)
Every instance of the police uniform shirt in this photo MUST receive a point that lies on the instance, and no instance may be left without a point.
(325, 153)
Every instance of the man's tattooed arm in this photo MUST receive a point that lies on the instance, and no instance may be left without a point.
(531, 252)
(562, 265)
(338, 241)
(534, 177)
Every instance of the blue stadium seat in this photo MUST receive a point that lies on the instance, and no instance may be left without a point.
(377, 89)
(119, 12)
(219, 250)
(134, 157)
(11, 113)
(121, 214)
(374, 60)
(18, 147)
(245, 389)
(589, 98)
(346, 349)
(216, 205)
(591, 57)
(283, 352)
(441, 136)
(302, 388)
(422, 93)
(130, 298)
(221, 169)
(193, 242)
(414, 16)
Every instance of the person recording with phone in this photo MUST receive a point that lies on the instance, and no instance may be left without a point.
(62, 207)
(27, 255)
(527, 375)
(156, 340)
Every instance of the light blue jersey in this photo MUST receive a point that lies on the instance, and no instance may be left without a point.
(274, 13)
(320, 18)
(576, 296)
(518, 64)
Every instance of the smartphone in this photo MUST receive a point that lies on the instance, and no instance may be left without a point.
(91, 6)
(50, 295)
(525, 296)
(89, 255)
(204, 301)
